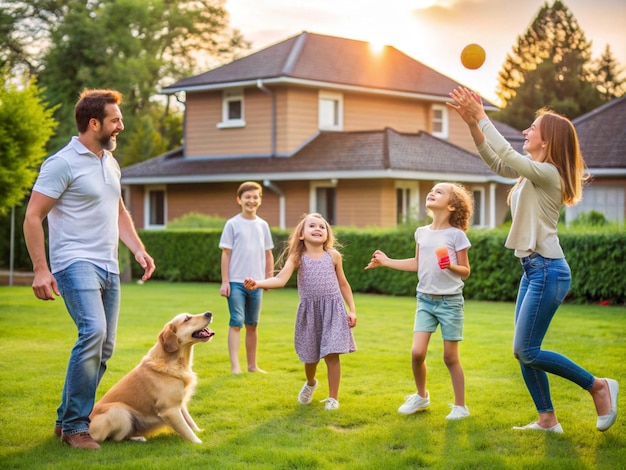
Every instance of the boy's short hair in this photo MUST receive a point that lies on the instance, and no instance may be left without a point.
(249, 186)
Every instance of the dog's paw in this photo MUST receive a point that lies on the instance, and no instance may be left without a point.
(138, 439)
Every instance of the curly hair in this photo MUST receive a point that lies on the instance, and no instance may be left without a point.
(463, 202)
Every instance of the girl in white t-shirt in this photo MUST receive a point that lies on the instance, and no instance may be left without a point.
(442, 264)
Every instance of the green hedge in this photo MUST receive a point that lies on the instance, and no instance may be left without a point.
(595, 256)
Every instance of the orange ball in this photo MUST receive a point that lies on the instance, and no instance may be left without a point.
(473, 56)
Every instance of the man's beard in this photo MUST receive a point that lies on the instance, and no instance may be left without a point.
(108, 143)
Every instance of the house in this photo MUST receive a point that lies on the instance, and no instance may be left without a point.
(602, 135)
(327, 125)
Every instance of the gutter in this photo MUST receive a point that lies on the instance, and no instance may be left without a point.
(281, 202)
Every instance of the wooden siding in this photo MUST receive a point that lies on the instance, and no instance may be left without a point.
(372, 112)
(134, 204)
(298, 117)
(297, 120)
(362, 203)
(458, 132)
(204, 112)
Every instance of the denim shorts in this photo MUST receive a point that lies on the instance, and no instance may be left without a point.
(244, 305)
(444, 310)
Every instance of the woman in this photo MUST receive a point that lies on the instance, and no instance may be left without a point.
(548, 178)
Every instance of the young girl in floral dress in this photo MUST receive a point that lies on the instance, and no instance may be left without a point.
(323, 326)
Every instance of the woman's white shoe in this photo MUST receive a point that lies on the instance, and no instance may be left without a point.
(535, 427)
(607, 420)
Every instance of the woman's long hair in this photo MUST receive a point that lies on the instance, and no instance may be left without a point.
(562, 151)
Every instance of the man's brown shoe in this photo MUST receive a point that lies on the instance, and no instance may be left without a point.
(81, 440)
(58, 431)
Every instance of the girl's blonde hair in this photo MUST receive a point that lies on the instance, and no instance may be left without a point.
(295, 245)
(463, 202)
(563, 151)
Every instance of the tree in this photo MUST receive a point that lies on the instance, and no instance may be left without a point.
(134, 46)
(549, 66)
(607, 76)
(26, 125)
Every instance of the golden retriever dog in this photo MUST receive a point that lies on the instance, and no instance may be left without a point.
(156, 392)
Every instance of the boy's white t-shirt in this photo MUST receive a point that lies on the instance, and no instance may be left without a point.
(431, 278)
(248, 239)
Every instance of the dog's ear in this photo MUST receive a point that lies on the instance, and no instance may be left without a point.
(168, 339)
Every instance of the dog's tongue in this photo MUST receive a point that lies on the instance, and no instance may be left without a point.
(204, 334)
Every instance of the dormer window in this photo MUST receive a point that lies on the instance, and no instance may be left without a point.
(330, 116)
(439, 121)
(232, 109)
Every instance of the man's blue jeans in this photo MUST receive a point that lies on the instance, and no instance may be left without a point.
(543, 287)
(92, 298)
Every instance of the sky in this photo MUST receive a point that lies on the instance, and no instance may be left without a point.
(431, 31)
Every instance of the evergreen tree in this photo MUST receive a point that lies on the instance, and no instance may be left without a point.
(549, 66)
(607, 75)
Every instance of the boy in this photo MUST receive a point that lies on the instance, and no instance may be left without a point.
(246, 244)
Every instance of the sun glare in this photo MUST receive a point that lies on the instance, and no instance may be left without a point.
(423, 4)
(377, 46)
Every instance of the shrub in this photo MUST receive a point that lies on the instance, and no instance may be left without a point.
(594, 255)
(196, 220)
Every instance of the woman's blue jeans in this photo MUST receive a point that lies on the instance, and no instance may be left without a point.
(92, 298)
(543, 287)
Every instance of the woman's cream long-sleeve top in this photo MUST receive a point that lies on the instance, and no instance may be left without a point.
(535, 203)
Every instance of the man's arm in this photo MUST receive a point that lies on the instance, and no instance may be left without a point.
(130, 238)
(44, 283)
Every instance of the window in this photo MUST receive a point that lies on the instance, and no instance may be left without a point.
(608, 200)
(232, 109)
(406, 202)
(324, 200)
(155, 209)
(440, 121)
(330, 111)
(479, 208)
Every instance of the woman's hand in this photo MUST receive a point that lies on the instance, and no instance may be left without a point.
(467, 104)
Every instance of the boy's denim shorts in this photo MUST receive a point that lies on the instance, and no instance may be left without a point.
(244, 305)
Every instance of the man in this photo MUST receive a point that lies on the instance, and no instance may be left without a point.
(79, 191)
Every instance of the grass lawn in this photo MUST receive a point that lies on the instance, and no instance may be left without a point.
(253, 421)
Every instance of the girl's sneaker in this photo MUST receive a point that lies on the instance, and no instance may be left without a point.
(331, 404)
(306, 394)
(413, 403)
(458, 412)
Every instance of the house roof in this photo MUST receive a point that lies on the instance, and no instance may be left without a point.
(511, 134)
(310, 57)
(347, 155)
(602, 135)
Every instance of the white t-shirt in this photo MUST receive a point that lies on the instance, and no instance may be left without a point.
(83, 224)
(432, 279)
(248, 239)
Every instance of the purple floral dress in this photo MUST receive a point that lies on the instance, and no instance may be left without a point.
(321, 322)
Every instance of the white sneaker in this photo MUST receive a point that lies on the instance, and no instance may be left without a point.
(413, 403)
(306, 394)
(331, 404)
(458, 412)
(535, 427)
